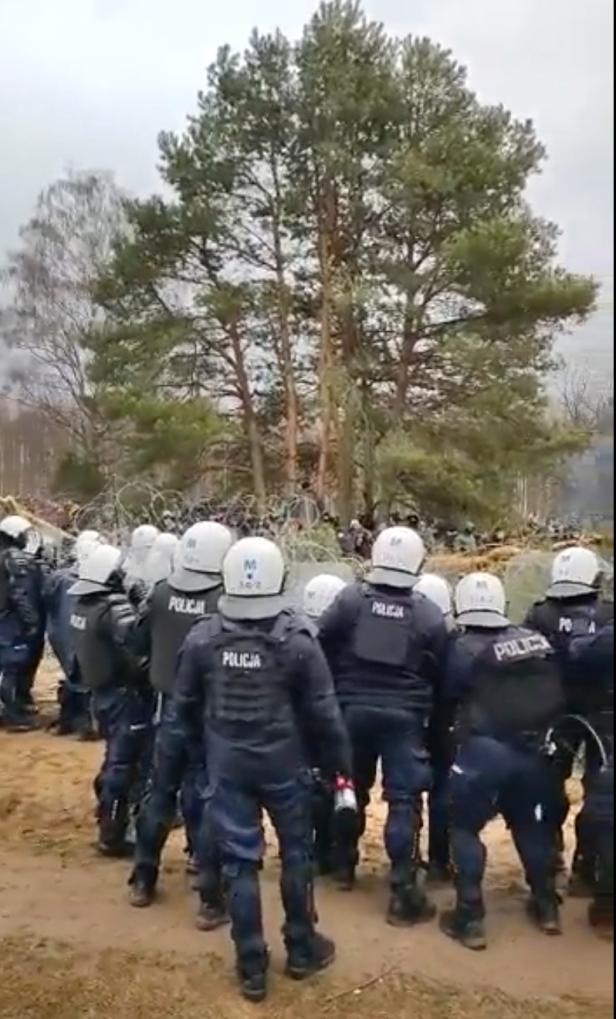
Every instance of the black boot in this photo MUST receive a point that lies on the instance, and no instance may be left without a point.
(304, 960)
(142, 892)
(252, 976)
(212, 915)
(409, 903)
(468, 930)
(544, 910)
(112, 831)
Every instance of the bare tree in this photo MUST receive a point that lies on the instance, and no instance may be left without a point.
(52, 315)
(583, 404)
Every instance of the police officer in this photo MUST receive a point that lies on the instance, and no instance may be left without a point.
(159, 560)
(102, 626)
(438, 591)
(318, 595)
(191, 592)
(386, 646)
(73, 697)
(141, 541)
(573, 607)
(37, 572)
(255, 680)
(507, 692)
(19, 621)
(593, 657)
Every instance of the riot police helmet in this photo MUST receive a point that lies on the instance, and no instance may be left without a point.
(320, 592)
(397, 557)
(199, 556)
(253, 575)
(480, 601)
(576, 572)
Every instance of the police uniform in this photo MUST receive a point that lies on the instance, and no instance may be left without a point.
(73, 697)
(506, 691)
(593, 658)
(102, 627)
(561, 620)
(37, 572)
(252, 688)
(19, 628)
(386, 646)
(179, 765)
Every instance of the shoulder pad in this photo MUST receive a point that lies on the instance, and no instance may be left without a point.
(300, 623)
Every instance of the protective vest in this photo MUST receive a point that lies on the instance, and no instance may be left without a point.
(101, 662)
(386, 666)
(249, 693)
(16, 608)
(172, 614)
(563, 620)
(517, 691)
(383, 630)
(595, 665)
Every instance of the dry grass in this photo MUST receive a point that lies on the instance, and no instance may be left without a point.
(48, 980)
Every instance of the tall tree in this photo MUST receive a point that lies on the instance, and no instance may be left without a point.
(52, 314)
(348, 248)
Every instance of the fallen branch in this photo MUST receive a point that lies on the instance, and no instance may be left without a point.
(360, 987)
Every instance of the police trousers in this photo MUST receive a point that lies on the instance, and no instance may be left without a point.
(14, 659)
(179, 766)
(489, 777)
(235, 811)
(397, 740)
(124, 717)
(595, 825)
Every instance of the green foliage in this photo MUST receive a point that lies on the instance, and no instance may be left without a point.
(78, 478)
(346, 269)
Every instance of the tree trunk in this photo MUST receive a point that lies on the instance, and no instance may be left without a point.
(325, 367)
(251, 425)
(286, 356)
(409, 339)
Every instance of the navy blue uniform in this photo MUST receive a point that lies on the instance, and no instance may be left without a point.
(73, 696)
(386, 647)
(257, 691)
(561, 620)
(37, 572)
(506, 692)
(593, 658)
(19, 628)
(102, 626)
(179, 766)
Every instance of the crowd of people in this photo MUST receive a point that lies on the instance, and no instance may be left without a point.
(218, 700)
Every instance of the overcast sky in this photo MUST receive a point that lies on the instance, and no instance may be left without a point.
(89, 83)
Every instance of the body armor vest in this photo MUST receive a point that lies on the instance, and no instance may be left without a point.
(172, 614)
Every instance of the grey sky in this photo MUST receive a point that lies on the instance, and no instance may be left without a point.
(89, 83)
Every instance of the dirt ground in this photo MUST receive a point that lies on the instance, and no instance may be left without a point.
(72, 948)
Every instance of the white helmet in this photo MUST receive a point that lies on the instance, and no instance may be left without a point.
(253, 576)
(96, 569)
(480, 600)
(85, 542)
(14, 526)
(320, 592)
(199, 556)
(576, 571)
(160, 558)
(438, 590)
(397, 557)
(141, 541)
(143, 537)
